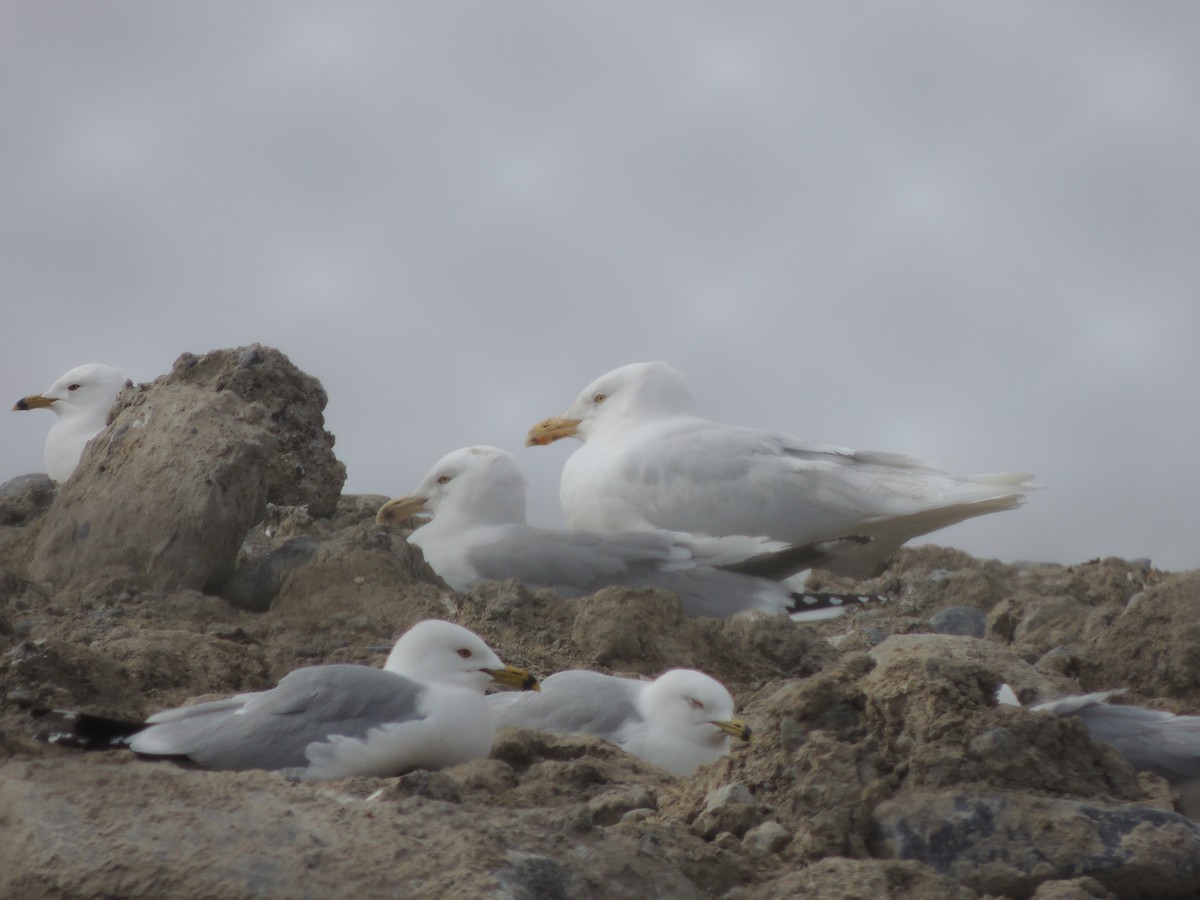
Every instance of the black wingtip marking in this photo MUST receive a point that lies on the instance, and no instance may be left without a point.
(812, 601)
(85, 731)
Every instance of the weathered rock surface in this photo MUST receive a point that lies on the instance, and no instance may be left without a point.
(1007, 844)
(881, 765)
(164, 496)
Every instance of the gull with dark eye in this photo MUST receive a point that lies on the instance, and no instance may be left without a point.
(81, 399)
(476, 497)
(424, 709)
(680, 721)
(648, 460)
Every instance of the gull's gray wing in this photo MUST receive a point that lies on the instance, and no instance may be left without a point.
(1151, 739)
(576, 563)
(688, 474)
(780, 564)
(577, 701)
(272, 729)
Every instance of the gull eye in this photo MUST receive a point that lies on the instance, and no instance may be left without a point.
(73, 387)
(442, 479)
(600, 398)
(464, 652)
(694, 703)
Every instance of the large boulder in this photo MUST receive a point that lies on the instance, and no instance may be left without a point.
(164, 496)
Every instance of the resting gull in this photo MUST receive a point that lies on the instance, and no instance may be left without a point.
(1151, 739)
(81, 399)
(476, 496)
(648, 461)
(679, 722)
(423, 710)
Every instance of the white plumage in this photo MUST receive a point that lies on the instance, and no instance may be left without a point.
(80, 399)
(476, 496)
(423, 709)
(649, 461)
(679, 722)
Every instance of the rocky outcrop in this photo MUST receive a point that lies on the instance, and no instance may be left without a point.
(164, 496)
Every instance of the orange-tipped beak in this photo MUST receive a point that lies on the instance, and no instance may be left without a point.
(550, 430)
(395, 511)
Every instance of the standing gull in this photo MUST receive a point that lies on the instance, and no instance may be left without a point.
(476, 496)
(81, 399)
(679, 722)
(648, 461)
(423, 710)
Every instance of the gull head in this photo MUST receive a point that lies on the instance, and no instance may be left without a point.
(435, 650)
(481, 485)
(632, 394)
(695, 706)
(84, 392)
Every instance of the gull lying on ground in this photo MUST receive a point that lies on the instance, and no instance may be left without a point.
(423, 710)
(680, 721)
(476, 496)
(1152, 740)
(81, 399)
(648, 461)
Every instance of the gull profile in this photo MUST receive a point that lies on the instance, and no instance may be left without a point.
(424, 709)
(649, 461)
(81, 399)
(476, 496)
(679, 721)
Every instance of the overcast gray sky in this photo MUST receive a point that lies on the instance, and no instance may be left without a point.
(967, 231)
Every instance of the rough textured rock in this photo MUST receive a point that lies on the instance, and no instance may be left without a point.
(964, 620)
(838, 878)
(1152, 645)
(24, 498)
(1000, 844)
(164, 496)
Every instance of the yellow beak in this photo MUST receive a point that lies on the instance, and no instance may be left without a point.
(550, 430)
(511, 676)
(735, 728)
(401, 508)
(33, 401)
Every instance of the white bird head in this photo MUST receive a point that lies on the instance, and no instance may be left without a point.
(481, 485)
(633, 393)
(435, 650)
(85, 391)
(81, 399)
(693, 705)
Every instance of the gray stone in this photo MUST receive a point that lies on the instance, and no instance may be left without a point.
(531, 877)
(610, 808)
(767, 838)
(256, 581)
(963, 620)
(730, 809)
(998, 843)
(24, 498)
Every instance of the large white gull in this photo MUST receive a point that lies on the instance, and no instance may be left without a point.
(424, 709)
(476, 496)
(679, 721)
(649, 461)
(81, 399)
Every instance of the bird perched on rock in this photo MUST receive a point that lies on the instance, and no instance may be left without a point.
(649, 461)
(423, 710)
(81, 399)
(680, 721)
(476, 496)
